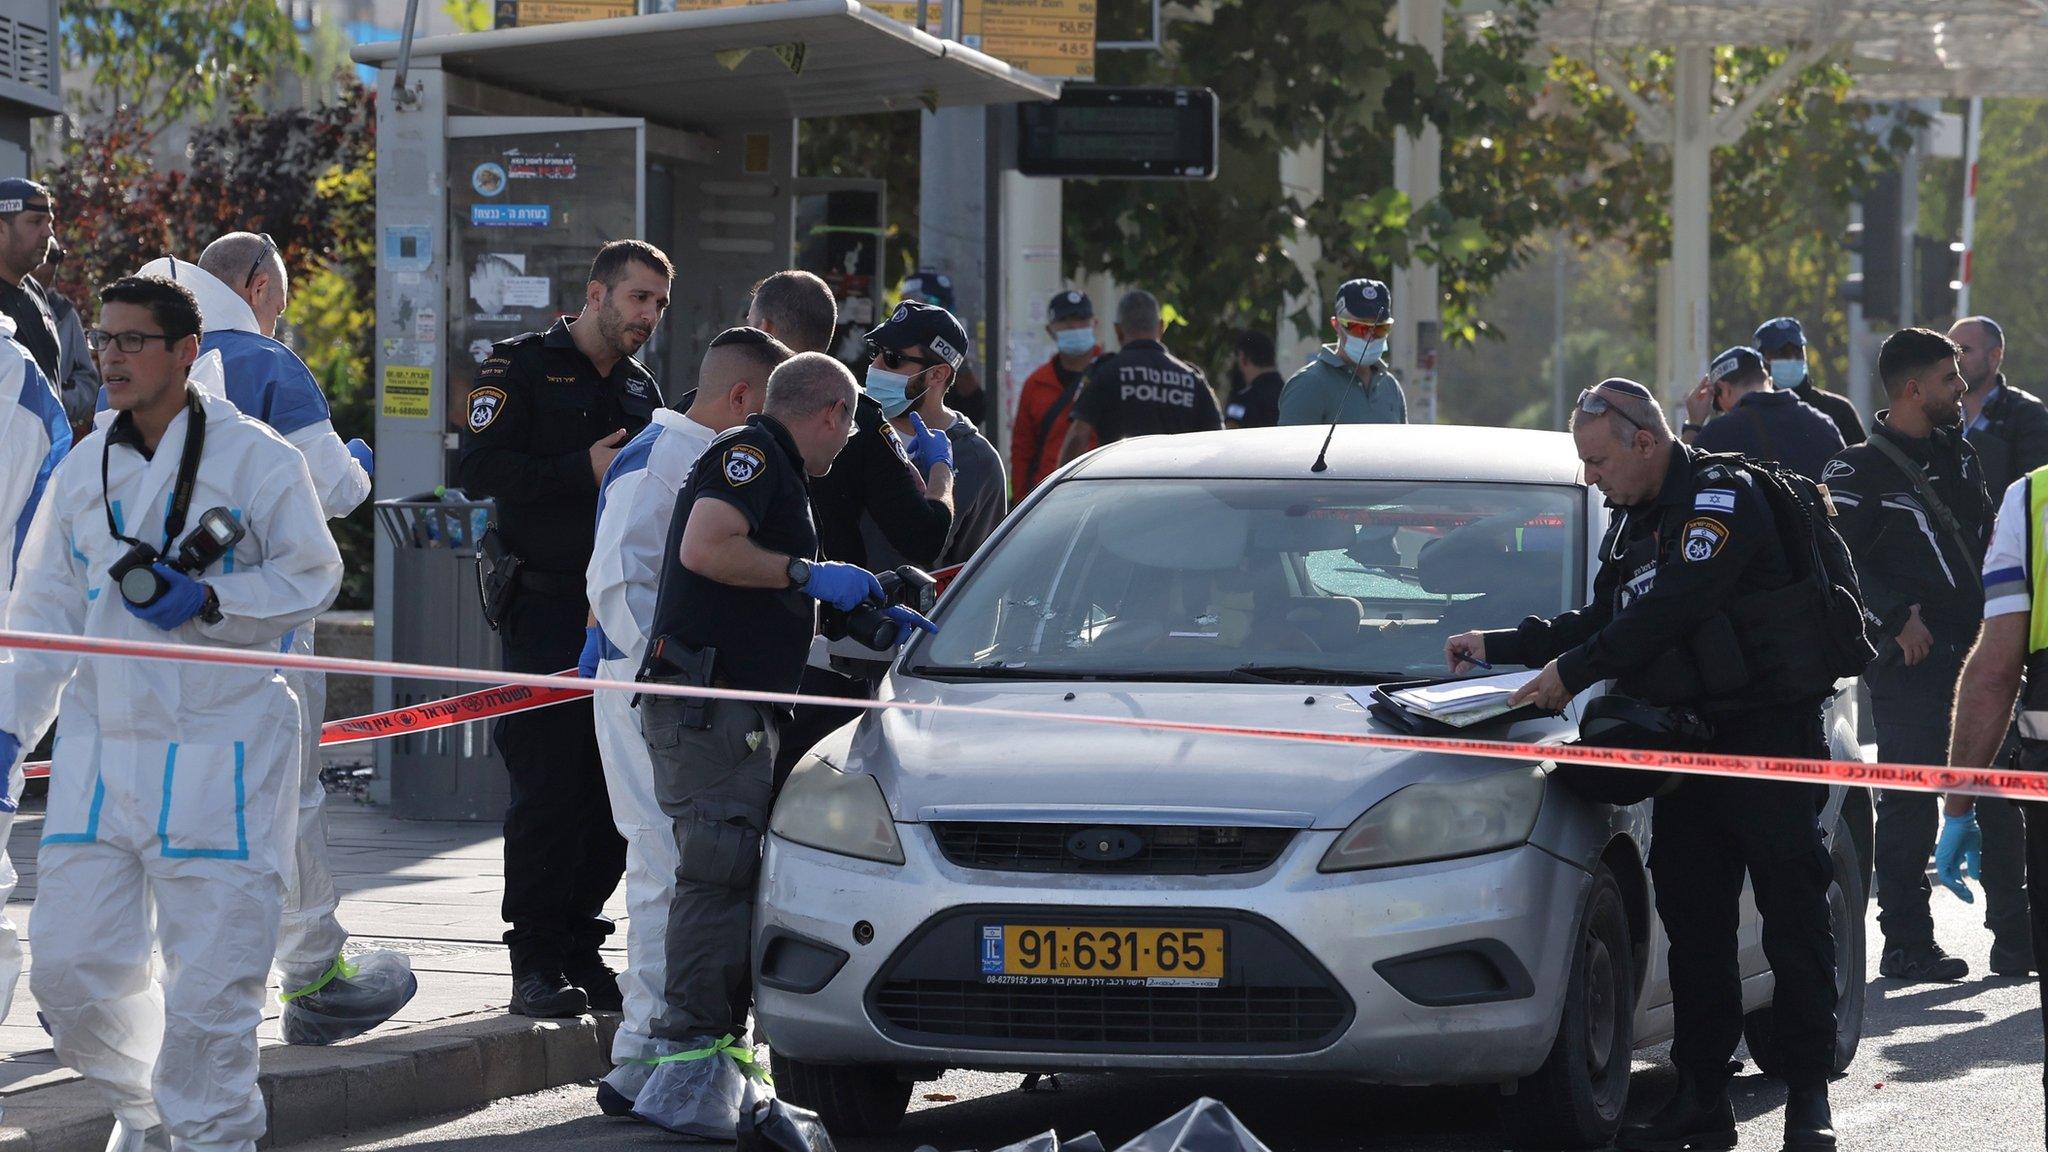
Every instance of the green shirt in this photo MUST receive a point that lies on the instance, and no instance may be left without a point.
(1328, 390)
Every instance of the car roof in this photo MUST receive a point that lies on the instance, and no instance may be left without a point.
(1357, 452)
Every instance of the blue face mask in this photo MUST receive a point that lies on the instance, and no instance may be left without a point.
(1074, 341)
(1788, 373)
(1359, 350)
(891, 390)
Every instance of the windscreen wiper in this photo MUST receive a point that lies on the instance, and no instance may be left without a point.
(1312, 674)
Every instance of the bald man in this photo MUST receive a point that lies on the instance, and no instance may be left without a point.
(634, 507)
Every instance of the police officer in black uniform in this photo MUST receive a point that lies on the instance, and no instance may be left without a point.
(736, 610)
(547, 413)
(1783, 345)
(1141, 389)
(1691, 540)
(1755, 419)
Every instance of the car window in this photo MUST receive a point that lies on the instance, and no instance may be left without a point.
(1202, 577)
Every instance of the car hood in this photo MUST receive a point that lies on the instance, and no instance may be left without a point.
(937, 766)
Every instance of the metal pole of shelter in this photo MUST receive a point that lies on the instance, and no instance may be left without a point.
(1692, 206)
(1973, 131)
(1418, 171)
(400, 92)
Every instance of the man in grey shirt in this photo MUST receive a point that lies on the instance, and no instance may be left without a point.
(980, 486)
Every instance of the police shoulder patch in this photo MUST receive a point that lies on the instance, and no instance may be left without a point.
(743, 462)
(484, 406)
(1703, 538)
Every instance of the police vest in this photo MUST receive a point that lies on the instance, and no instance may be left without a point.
(2034, 704)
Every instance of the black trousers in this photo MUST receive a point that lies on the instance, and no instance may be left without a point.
(563, 855)
(1911, 707)
(1703, 838)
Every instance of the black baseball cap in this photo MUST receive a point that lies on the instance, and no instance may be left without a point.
(1777, 335)
(930, 287)
(1740, 360)
(19, 195)
(914, 324)
(1070, 305)
(1366, 300)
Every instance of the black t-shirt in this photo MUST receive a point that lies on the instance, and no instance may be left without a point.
(1144, 390)
(35, 326)
(762, 635)
(536, 407)
(873, 475)
(1257, 404)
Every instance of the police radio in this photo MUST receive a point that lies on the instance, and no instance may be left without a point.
(142, 585)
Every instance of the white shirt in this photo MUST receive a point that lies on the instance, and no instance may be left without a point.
(634, 508)
(2006, 561)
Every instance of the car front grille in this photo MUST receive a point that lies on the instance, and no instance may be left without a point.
(1214, 1019)
(1159, 850)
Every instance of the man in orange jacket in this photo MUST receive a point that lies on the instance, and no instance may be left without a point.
(1047, 401)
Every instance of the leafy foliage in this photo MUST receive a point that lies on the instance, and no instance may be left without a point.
(153, 62)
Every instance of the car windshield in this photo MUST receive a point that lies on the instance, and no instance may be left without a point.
(1258, 579)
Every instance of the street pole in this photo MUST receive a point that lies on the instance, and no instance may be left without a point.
(1418, 171)
(1557, 369)
(1973, 132)
(1692, 207)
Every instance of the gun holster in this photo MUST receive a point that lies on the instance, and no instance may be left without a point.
(497, 577)
(670, 662)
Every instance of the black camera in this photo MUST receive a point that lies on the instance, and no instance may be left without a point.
(906, 586)
(142, 586)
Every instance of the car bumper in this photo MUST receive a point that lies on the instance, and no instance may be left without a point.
(1449, 972)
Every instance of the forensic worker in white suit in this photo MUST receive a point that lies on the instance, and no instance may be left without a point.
(173, 784)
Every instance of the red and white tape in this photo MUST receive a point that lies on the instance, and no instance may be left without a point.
(1904, 777)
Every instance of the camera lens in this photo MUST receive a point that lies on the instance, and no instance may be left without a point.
(141, 586)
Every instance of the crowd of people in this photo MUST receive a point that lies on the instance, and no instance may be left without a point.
(691, 536)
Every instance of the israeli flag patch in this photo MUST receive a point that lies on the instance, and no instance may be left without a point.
(1714, 500)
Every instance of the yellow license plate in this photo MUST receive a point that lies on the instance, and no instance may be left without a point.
(1065, 950)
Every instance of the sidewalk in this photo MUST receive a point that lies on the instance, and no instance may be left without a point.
(428, 890)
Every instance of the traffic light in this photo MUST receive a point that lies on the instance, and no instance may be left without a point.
(1937, 275)
(1877, 241)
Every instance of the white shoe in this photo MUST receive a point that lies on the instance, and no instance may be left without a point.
(155, 1138)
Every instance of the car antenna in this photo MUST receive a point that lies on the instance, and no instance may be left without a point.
(1322, 464)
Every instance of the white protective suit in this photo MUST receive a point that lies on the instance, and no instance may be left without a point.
(173, 784)
(34, 437)
(634, 507)
(267, 380)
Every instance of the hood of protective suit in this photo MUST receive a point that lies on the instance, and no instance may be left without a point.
(220, 309)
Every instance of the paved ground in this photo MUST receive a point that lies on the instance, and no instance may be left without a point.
(1944, 1066)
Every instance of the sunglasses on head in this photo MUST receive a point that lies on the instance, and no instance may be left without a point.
(1366, 329)
(892, 359)
(269, 250)
(1592, 403)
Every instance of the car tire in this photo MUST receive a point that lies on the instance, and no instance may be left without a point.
(852, 1099)
(1576, 1099)
(1846, 919)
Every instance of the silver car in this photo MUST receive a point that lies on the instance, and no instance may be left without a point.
(1006, 892)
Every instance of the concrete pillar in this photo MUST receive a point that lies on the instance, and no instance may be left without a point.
(953, 216)
(1418, 171)
(1692, 170)
(1034, 272)
(1301, 177)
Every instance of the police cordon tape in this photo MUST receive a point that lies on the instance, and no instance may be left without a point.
(1904, 777)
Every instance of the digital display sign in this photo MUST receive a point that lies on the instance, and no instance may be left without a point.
(1120, 134)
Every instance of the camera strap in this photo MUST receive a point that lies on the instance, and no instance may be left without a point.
(188, 473)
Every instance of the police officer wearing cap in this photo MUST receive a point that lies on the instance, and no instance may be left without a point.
(737, 609)
(1348, 382)
(1782, 342)
(933, 287)
(546, 414)
(27, 239)
(1692, 543)
(1142, 389)
(1755, 419)
(1045, 405)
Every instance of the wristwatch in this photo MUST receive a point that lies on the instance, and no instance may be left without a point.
(1689, 426)
(209, 608)
(799, 571)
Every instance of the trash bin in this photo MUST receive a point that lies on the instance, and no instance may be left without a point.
(451, 773)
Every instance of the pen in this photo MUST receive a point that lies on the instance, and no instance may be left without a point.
(1474, 661)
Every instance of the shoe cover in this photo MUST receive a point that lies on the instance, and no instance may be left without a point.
(699, 1092)
(629, 1078)
(152, 1139)
(354, 997)
(772, 1125)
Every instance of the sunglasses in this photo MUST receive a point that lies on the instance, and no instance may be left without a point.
(1592, 403)
(1366, 329)
(269, 250)
(892, 359)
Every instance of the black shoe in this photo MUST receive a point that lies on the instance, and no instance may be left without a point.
(611, 1101)
(598, 982)
(1809, 1125)
(547, 995)
(1922, 964)
(1697, 1118)
(2015, 961)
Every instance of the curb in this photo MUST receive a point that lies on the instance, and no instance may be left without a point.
(312, 1093)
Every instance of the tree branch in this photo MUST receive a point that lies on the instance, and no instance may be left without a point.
(1653, 124)
(1732, 123)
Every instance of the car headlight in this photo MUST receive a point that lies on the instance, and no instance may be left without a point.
(833, 811)
(1432, 821)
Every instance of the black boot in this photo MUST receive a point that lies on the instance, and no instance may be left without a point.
(1809, 1125)
(598, 982)
(1922, 964)
(1697, 1118)
(548, 995)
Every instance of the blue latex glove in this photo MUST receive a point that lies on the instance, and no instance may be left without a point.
(593, 651)
(844, 586)
(907, 619)
(928, 448)
(1960, 848)
(361, 453)
(181, 603)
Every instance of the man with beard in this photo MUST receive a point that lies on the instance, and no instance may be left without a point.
(546, 415)
(1916, 519)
